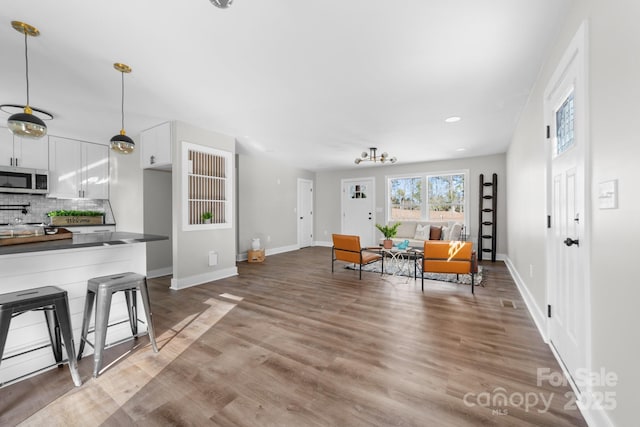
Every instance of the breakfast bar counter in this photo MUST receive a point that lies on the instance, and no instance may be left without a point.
(67, 264)
(81, 241)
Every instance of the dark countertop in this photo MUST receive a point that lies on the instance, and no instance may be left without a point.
(66, 226)
(82, 241)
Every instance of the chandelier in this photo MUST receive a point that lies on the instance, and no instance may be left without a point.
(371, 156)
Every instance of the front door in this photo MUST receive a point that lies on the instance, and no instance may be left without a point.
(358, 204)
(568, 254)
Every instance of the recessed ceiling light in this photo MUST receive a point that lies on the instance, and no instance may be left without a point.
(461, 149)
(452, 119)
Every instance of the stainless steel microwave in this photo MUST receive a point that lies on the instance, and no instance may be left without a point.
(23, 180)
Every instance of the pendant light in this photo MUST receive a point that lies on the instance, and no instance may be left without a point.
(121, 142)
(25, 123)
(222, 4)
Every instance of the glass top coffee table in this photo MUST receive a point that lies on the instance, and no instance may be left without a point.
(401, 260)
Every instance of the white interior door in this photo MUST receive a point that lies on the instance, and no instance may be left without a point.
(358, 204)
(305, 212)
(568, 254)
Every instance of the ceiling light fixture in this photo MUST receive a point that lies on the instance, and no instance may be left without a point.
(25, 123)
(222, 4)
(371, 156)
(452, 119)
(121, 142)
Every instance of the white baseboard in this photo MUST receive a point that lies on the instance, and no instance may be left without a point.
(596, 417)
(199, 279)
(536, 312)
(281, 250)
(593, 416)
(159, 272)
(327, 244)
(272, 251)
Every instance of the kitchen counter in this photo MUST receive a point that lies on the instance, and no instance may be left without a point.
(67, 264)
(82, 241)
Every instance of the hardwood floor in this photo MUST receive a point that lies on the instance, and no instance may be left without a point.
(288, 343)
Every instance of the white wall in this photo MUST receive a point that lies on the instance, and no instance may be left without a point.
(267, 203)
(328, 192)
(158, 220)
(191, 248)
(614, 91)
(126, 189)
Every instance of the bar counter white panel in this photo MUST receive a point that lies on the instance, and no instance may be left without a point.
(69, 269)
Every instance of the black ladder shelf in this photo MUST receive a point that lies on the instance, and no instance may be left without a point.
(487, 220)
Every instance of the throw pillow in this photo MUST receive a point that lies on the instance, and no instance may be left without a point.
(445, 233)
(456, 230)
(435, 233)
(421, 232)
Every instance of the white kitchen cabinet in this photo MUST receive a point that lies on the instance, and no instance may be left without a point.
(78, 169)
(23, 152)
(155, 147)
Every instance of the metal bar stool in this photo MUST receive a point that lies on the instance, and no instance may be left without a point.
(102, 290)
(54, 303)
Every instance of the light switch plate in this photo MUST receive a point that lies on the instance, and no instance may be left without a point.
(608, 194)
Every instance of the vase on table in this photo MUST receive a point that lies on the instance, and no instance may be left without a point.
(255, 243)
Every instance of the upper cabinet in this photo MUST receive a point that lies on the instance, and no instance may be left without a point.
(155, 147)
(23, 152)
(78, 169)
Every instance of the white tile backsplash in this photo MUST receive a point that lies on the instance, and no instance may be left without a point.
(40, 205)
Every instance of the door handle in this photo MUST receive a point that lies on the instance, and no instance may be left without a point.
(569, 241)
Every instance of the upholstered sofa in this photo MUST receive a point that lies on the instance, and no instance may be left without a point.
(416, 232)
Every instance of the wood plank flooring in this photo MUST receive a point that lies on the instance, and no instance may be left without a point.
(288, 343)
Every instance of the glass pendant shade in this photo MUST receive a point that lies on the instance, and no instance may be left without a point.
(121, 143)
(27, 125)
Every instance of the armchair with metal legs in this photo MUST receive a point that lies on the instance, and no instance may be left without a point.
(347, 248)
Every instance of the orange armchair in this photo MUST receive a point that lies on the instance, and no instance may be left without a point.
(347, 248)
(452, 257)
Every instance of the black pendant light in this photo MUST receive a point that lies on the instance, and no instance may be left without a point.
(121, 142)
(25, 123)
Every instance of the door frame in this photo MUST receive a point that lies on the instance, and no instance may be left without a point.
(576, 53)
(345, 181)
(299, 208)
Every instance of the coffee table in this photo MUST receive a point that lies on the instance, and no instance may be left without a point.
(401, 260)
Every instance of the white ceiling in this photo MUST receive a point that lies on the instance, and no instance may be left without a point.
(314, 83)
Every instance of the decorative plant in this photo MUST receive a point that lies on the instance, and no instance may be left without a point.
(206, 216)
(74, 213)
(389, 231)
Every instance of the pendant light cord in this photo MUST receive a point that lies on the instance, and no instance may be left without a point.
(122, 105)
(26, 60)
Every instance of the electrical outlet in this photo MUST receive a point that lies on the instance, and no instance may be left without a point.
(213, 258)
(268, 238)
